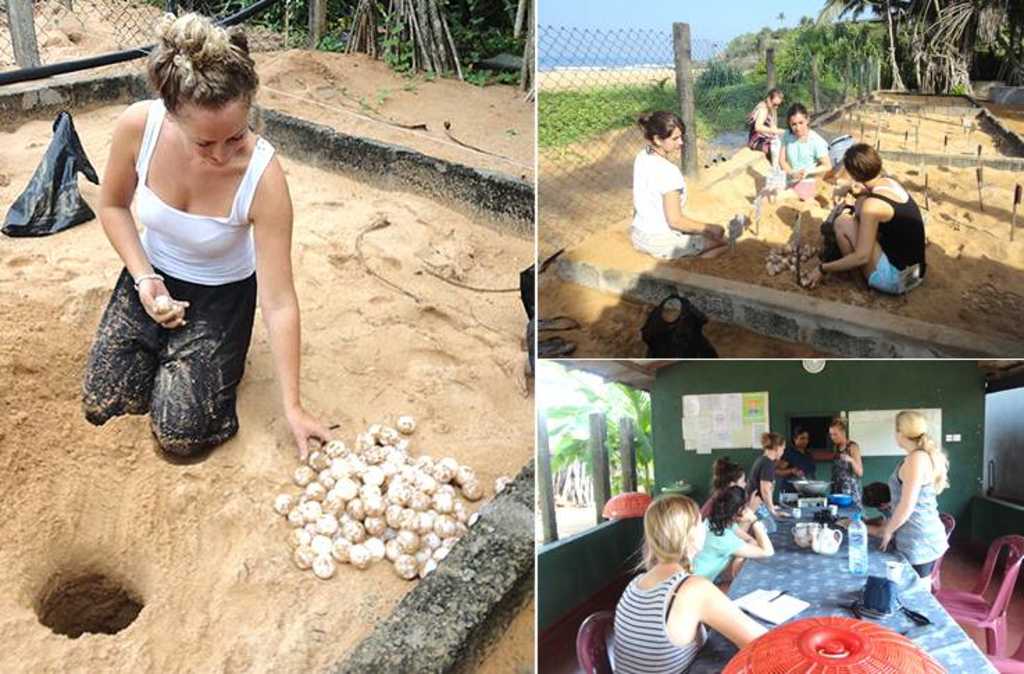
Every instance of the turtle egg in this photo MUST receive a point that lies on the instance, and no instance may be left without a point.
(472, 491)
(326, 479)
(303, 557)
(296, 518)
(318, 460)
(393, 516)
(321, 545)
(359, 556)
(427, 568)
(464, 474)
(402, 445)
(460, 513)
(391, 550)
(389, 534)
(445, 526)
(353, 532)
(315, 491)
(299, 538)
(425, 521)
(364, 441)
(327, 524)
(443, 503)
(339, 550)
(425, 483)
(389, 436)
(311, 511)
(406, 567)
(431, 540)
(374, 430)
(368, 490)
(408, 541)
(374, 476)
(406, 425)
(419, 501)
(441, 553)
(500, 483)
(163, 304)
(340, 468)
(374, 505)
(376, 548)
(356, 510)
(303, 475)
(443, 473)
(346, 488)
(323, 567)
(332, 503)
(335, 448)
(374, 526)
(283, 503)
(389, 469)
(408, 519)
(422, 555)
(424, 462)
(374, 455)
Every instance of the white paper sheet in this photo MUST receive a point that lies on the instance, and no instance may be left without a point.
(769, 606)
(755, 434)
(691, 406)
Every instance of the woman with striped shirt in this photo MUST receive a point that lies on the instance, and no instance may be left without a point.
(661, 617)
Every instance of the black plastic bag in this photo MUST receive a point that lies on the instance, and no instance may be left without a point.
(682, 337)
(527, 284)
(52, 202)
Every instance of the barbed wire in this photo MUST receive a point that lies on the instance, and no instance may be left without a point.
(594, 84)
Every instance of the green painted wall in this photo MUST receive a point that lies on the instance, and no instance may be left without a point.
(958, 387)
(991, 519)
(572, 570)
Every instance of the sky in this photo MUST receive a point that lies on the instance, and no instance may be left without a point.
(708, 19)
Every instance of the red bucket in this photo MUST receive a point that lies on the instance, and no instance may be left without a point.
(626, 505)
(832, 645)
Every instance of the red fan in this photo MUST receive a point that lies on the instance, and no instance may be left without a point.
(626, 505)
(832, 645)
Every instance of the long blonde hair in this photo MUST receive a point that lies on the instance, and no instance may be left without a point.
(914, 426)
(668, 526)
(198, 62)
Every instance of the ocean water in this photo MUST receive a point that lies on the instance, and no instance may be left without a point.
(560, 48)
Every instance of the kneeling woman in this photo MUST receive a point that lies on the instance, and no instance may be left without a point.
(659, 194)
(804, 154)
(915, 526)
(884, 237)
(661, 619)
(726, 545)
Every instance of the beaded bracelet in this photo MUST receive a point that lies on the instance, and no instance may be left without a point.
(147, 277)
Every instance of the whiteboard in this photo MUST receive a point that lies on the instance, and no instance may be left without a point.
(875, 430)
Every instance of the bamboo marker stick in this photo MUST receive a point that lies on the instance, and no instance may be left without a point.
(917, 136)
(979, 155)
(906, 137)
(926, 206)
(1016, 202)
(796, 230)
(978, 172)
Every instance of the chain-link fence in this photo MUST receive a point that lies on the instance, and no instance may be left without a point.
(66, 30)
(594, 84)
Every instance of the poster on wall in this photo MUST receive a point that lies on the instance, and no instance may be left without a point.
(724, 421)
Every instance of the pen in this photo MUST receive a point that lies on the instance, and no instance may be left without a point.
(777, 596)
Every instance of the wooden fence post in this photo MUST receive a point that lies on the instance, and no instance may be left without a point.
(317, 21)
(23, 33)
(769, 66)
(684, 91)
(599, 463)
(627, 454)
(545, 482)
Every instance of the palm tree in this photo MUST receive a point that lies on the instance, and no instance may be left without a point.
(836, 9)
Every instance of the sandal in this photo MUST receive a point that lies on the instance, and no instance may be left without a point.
(555, 347)
(557, 323)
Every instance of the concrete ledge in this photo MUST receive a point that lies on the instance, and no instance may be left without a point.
(492, 195)
(447, 622)
(1005, 95)
(960, 161)
(825, 325)
(1012, 138)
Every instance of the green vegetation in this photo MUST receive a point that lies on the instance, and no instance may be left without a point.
(565, 117)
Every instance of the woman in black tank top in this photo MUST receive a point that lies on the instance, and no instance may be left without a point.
(884, 236)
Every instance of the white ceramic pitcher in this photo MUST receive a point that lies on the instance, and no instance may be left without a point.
(827, 541)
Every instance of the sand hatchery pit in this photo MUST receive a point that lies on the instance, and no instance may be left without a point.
(116, 560)
(975, 279)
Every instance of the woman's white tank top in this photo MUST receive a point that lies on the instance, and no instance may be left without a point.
(204, 249)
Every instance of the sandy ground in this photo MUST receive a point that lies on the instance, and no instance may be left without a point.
(566, 79)
(913, 132)
(610, 326)
(188, 538)
(357, 95)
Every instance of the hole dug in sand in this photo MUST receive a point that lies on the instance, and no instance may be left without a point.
(74, 602)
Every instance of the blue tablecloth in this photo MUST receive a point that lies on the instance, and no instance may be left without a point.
(825, 582)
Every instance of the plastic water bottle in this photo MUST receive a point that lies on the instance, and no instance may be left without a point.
(858, 543)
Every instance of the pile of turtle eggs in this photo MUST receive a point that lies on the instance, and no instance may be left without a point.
(373, 501)
(783, 259)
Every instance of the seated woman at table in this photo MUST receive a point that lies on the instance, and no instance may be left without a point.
(662, 617)
(726, 546)
(914, 525)
(847, 467)
(724, 473)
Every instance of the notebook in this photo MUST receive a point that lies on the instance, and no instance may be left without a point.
(770, 607)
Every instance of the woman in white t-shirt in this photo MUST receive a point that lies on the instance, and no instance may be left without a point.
(659, 194)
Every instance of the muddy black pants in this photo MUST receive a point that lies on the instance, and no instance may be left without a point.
(184, 378)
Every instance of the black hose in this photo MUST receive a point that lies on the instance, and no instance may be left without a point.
(40, 72)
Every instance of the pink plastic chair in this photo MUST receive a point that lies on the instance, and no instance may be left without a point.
(592, 643)
(972, 609)
(1011, 665)
(949, 522)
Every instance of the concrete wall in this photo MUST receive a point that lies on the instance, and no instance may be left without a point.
(955, 386)
(573, 569)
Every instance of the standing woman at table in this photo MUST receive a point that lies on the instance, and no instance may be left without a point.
(847, 467)
(662, 617)
(915, 526)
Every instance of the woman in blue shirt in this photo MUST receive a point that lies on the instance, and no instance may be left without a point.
(726, 545)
